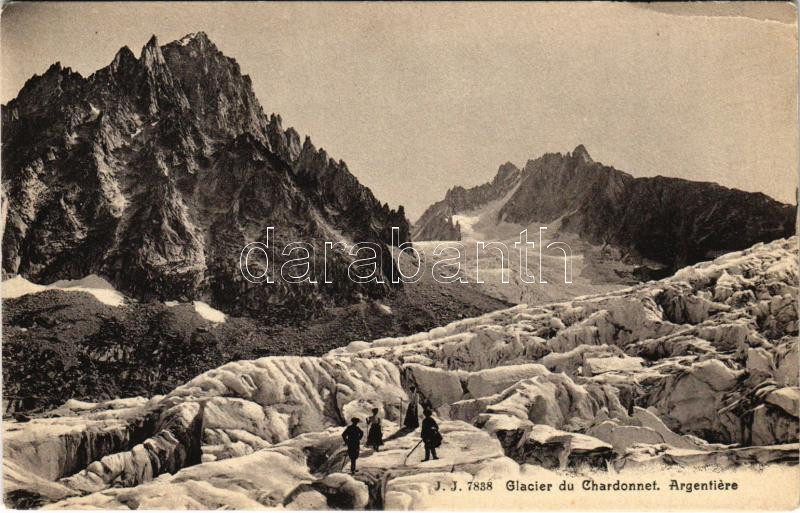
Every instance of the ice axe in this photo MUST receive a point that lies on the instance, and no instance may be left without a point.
(405, 461)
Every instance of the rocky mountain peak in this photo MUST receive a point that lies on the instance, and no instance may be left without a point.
(506, 172)
(293, 141)
(54, 74)
(314, 160)
(581, 154)
(197, 38)
(123, 60)
(177, 167)
(151, 55)
(648, 218)
(436, 223)
(40, 91)
(284, 142)
(197, 46)
(54, 68)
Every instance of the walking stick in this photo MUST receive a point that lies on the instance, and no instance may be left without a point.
(405, 461)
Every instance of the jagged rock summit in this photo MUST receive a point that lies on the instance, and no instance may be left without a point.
(155, 171)
(437, 222)
(672, 221)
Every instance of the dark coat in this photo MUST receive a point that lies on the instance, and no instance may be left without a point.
(352, 438)
(411, 420)
(375, 434)
(430, 431)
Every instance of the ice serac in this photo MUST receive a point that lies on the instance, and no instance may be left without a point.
(680, 372)
(229, 412)
(154, 172)
(648, 219)
(710, 352)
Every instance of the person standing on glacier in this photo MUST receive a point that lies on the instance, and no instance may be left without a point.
(375, 433)
(411, 421)
(431, 436)
(352, 438)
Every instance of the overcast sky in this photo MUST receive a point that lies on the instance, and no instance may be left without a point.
(418, 97)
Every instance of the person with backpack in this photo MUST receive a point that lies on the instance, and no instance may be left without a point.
(352, 438)
(431, 436)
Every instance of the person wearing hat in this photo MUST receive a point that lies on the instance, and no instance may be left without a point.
(352, 438)
(431, 436)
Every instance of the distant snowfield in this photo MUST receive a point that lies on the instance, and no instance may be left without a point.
(467, 224)
(208, 313)
(93, 284)
(484, 224)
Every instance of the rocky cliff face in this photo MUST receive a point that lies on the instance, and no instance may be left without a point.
(156, 171)
(696, 370)
(668, 220)
(436, 223)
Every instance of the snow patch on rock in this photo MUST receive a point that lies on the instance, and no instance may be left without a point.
(207, 312)
(101, 289)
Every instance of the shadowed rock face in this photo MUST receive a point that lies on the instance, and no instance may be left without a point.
(156, 171)
(696, 370)
(669, 220)
(436, 223)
